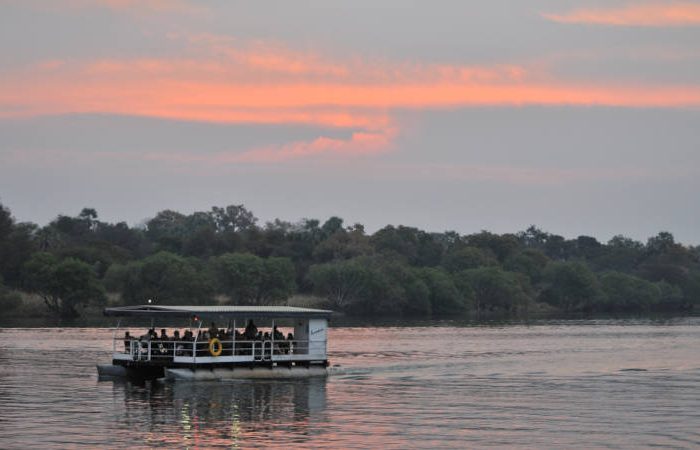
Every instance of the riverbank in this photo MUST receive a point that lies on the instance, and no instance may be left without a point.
(93, 317)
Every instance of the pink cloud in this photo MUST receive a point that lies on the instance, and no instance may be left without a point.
(360, 143)
(655, 14)
(222, 80)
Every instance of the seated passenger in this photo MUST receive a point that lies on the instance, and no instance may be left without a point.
(127, 342)
(251, 331)
(290, 342)
(187, 337)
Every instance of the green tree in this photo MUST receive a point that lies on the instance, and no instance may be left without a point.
(249, 279)
(239, 276)
(501, 245)
(278, 282)
(691, 290)
(395, 289)
(341, 282)
(465, 258)
(621, 254)
(15, 250)
(65, 285)
(571, 286)
(233, 218)
(167, 230)
(445, 298)
(494, 289)
(343, 245)
(666, 260)
(331, 226)
(529, 262)
(627, 292)
(164, 278)
(670, 297)
(6, 222)
(9, 301)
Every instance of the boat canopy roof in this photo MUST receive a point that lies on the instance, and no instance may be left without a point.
(243, 312)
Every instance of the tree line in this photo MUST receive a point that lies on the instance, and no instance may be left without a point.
(225, 256)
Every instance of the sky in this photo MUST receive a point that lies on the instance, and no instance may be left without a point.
(580, 117)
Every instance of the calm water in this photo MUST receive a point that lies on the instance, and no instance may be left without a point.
(587, 384)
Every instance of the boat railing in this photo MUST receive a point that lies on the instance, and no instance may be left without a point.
(256, 350)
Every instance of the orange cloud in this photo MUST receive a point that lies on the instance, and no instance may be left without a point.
(360, 143)
(225, 81)
(644, 15)
(123, 6)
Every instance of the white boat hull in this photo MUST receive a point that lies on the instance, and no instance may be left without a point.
(246, 373)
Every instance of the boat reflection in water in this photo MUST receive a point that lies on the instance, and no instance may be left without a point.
(237, 413)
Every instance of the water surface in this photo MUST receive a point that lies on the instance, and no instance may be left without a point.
(585, 384)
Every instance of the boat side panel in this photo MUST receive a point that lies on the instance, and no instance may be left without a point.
(247, 373)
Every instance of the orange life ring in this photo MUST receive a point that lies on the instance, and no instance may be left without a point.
(215, 347)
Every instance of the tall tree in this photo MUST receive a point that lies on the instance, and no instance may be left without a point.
(65, 285)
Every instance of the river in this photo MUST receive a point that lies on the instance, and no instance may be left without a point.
(627, 383)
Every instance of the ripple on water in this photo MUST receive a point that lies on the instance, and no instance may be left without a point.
(582, 385)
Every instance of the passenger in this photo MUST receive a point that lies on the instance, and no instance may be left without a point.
(213, 331)
(266, 336)
(177, 344)
(127, 342)
(277, 335)
(152, 334)
(163, 335)
(259, 336)
(290, 342)
(188, 337)
(251, 331)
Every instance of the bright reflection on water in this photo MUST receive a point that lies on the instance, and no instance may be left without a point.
(586, 384)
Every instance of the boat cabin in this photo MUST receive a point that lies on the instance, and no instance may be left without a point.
(219, 342)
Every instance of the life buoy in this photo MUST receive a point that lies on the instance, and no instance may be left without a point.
(215, 347)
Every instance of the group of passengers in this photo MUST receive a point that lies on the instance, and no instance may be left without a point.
(165, 344)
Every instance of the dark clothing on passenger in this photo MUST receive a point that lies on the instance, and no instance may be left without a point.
(251, 331)
(127, 342)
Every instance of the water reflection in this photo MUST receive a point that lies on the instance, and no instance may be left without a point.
(588, 385)
(225, 414)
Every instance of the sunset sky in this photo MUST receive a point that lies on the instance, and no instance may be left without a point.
(582, 117)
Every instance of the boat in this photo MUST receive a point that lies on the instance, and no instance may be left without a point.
(208, 352)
